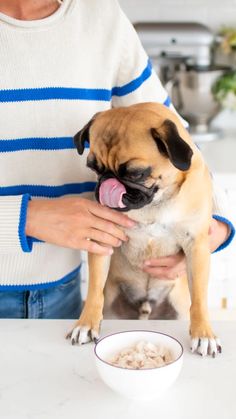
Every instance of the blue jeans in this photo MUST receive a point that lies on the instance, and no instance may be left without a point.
(60, 302)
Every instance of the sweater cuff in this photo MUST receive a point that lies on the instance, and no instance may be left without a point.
(25, 241)
(13, 211)
(231, 235)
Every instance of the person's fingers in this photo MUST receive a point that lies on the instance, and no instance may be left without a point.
(93, 247)
(164, 273)
(103, 238)
(111, 215)
(167, 261)
(106, 227)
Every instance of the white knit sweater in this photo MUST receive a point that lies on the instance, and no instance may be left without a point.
(56, 73)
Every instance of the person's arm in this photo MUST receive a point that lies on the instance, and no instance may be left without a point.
(76, 223)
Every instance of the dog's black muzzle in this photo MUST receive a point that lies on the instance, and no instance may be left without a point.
(137, 195)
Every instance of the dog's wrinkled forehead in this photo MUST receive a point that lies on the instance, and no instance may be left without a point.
(140, 132)
(116, 126)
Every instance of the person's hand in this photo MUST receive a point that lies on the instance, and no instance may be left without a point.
(76, 223)
(173, 266)
(168, 267)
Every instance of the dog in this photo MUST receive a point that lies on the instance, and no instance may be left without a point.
(148, 166)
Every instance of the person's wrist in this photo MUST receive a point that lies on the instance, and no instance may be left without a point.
(30, 219)
(220, 234)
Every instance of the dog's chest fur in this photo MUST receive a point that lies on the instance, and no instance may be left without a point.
(150, 241)
(161, 231)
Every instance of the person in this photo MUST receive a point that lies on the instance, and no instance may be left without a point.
(61, 62)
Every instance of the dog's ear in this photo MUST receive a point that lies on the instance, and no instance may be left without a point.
(83, 135)
(171, 145)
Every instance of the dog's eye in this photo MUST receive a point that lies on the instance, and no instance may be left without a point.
(138, 174)
(135, 176)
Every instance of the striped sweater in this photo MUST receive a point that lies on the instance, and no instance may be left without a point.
(56, 73)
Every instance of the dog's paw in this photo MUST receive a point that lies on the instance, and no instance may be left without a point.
(203, 339)
(206, 346)
(87, 328)
(81, 334)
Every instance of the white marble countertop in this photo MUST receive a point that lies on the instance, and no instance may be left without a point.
(43, 377)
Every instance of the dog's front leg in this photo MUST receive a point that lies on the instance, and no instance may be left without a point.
(88, 326)
(203, 339)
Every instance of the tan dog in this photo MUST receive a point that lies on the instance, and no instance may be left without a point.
(148, 165)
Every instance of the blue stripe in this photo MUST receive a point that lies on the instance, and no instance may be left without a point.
(232, 232)
(40, 286)
(53, 93)
(48, 191)
(167, 102)
(134, 84)
(74, 93)
(26, 242)
(37, 143)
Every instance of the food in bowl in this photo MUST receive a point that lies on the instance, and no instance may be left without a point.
(138, 384)
(142, 355)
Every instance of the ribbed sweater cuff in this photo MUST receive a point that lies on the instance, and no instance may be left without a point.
(231, 235)
(13, 212)
(25, 241)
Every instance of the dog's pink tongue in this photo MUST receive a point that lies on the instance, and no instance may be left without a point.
(111, 192)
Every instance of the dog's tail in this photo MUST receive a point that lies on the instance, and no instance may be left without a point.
(145, 310)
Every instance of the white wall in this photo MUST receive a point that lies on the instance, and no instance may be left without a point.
(213, 13)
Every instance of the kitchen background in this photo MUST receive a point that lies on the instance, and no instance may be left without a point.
(214, 128)
(209, 12)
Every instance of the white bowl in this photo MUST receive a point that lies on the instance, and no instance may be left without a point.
(142, 384)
